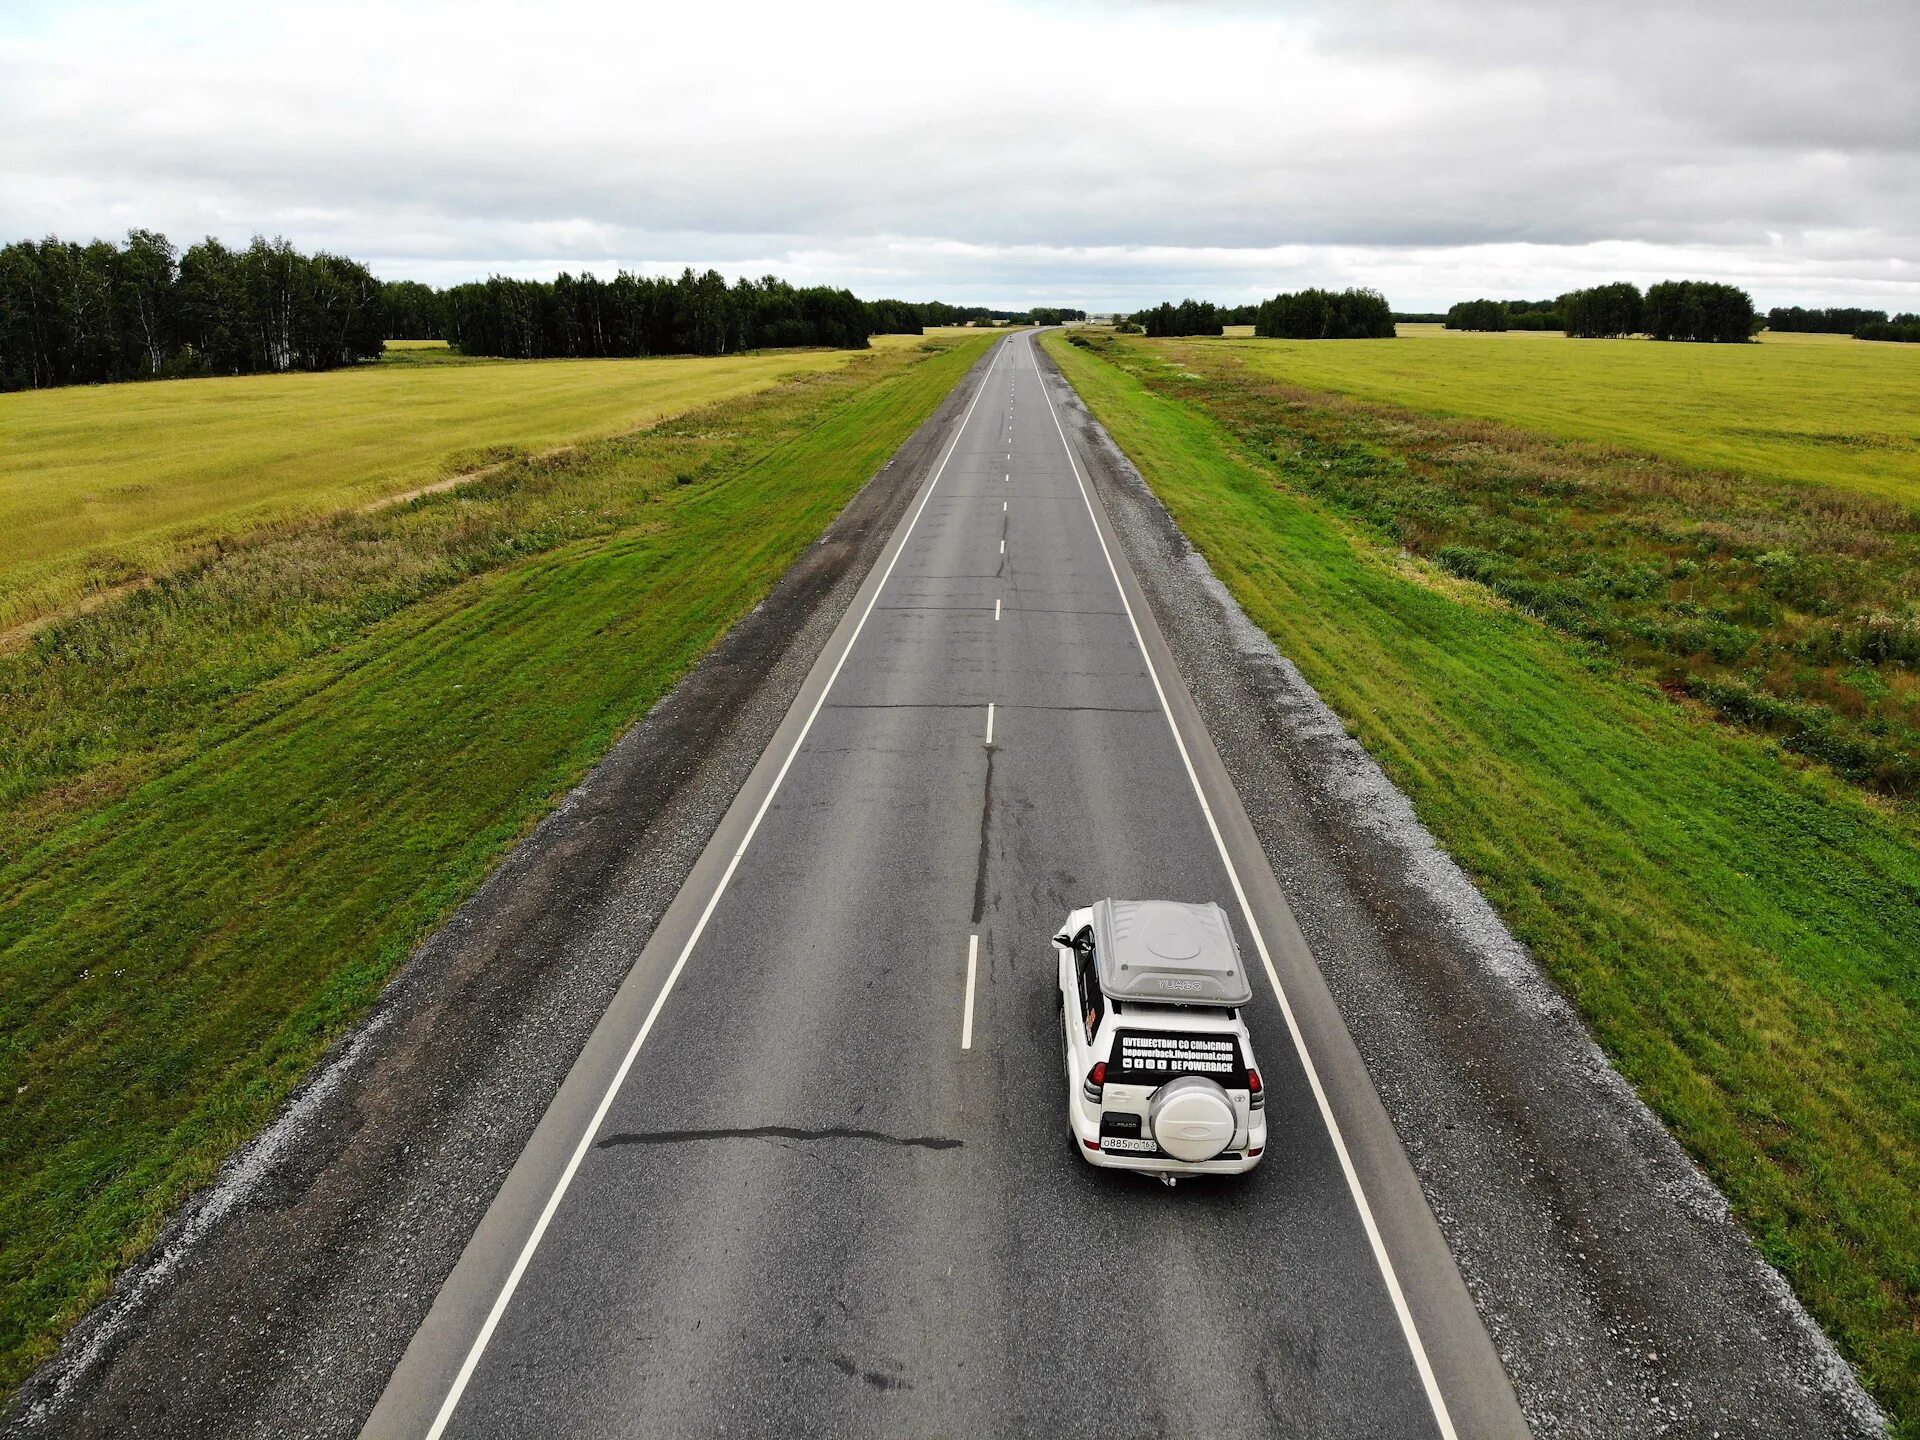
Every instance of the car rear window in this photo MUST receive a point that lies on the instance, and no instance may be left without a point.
(1153, 1057)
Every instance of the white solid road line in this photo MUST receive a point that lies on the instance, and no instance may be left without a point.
(1437, 1401)
(461, 1380)
(990, 721)
(966, 1018)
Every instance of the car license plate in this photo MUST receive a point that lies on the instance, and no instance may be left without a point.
(1132, 1144)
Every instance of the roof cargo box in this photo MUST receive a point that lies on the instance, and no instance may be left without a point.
(1167, 952)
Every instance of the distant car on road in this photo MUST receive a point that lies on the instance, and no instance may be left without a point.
(1160, 1070)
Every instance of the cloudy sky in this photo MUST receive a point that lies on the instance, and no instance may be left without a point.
(1002, 151)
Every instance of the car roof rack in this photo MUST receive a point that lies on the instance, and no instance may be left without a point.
(1168, 952)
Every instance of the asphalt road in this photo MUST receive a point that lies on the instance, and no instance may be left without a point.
(777, 1194)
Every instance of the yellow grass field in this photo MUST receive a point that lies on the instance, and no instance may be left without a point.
(1817, 408)
(100, 485)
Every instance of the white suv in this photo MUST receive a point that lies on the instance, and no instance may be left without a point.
(1160, 1069)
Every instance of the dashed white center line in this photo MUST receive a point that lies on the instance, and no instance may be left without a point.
(966, 1019)
(990, 722)
(996, 607)
(1003, 507)
(1003, 547)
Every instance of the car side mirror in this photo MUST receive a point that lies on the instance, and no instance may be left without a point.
(1066, 940)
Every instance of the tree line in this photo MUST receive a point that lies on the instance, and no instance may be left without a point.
(1697, 310)
(1302, 315)
(73, 314)
(1832, 320)
(585, 317)
(1505, 315)
(1902, 327)
(1352, 314)
(1674, 310)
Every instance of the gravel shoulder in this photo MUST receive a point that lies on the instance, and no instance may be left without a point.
(1622, 1296)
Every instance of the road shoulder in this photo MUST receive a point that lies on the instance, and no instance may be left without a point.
(1621, 1295)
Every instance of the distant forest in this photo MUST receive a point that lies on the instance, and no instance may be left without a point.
(73, 314)
(1505, 315)
(1834, 320)
(1192, 317)
(585, 316)
(1697, 310)
(1302, 315)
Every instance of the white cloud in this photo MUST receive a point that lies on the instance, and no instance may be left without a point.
(1098, 154)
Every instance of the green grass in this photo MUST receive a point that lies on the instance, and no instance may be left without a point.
(103, 484)
(1821, 409)
(1739, 929)
(240, 797)
(1789, 609)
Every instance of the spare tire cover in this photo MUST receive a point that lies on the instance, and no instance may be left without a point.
(1191, 1118)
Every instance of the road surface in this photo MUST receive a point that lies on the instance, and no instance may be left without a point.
(812, 1174)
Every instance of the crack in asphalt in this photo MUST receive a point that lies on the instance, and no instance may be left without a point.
(777, 1132)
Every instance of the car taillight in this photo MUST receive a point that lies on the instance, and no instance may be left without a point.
(1096, 1082)
(1256, 1097)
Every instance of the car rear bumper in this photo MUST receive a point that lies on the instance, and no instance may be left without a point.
(1086, 1139)
(1163, 1165)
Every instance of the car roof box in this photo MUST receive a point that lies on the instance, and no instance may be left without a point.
(1168, 952)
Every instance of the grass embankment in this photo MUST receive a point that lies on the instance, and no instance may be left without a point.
(100, 485)
(1787, 607)
(1738, 928)
(1817, 408)
(237, 799)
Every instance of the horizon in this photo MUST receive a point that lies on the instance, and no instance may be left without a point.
(1053, 153)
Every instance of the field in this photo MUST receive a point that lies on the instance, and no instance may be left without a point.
(236, 799)
(104, 484)
(1787, 607)
(1738, 926)
(1818, 408)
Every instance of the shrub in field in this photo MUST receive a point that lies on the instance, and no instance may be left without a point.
(1353, 314)
(1699, 310)
(1478, 315)
(1603, 311)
